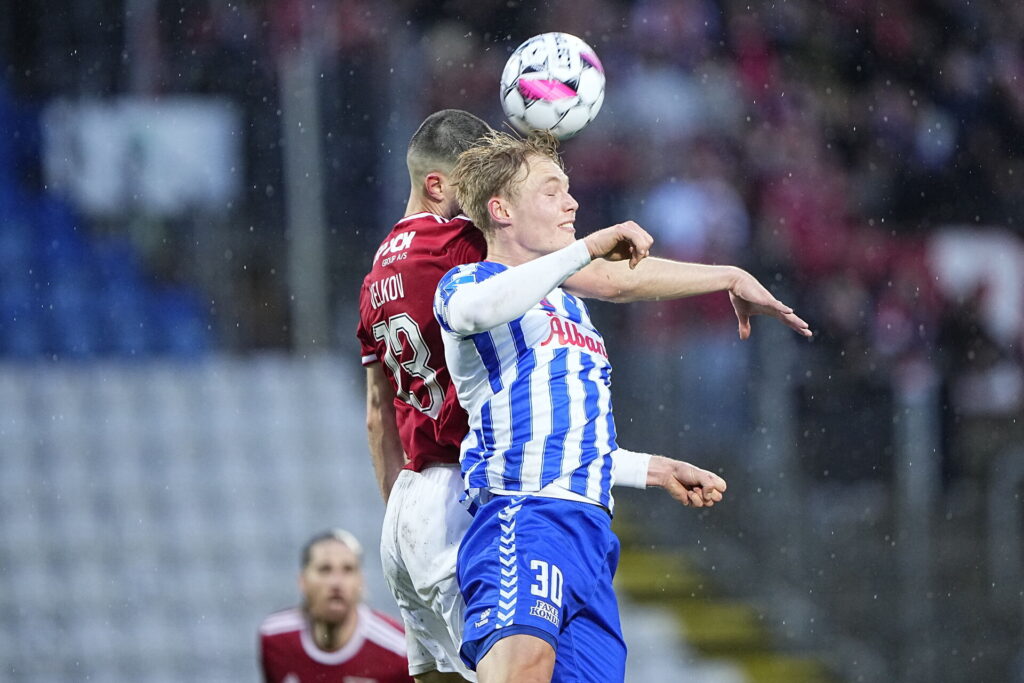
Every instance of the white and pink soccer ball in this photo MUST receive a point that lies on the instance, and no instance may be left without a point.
(553, 81)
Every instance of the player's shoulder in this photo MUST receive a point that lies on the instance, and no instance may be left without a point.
(427, 225)
(463, 229)
(471, 272)
(428, 237)
(283, 621)
(421, 227)
(439, 234)
(382, 630)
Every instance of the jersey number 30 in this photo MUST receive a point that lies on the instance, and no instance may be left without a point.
(400, 332)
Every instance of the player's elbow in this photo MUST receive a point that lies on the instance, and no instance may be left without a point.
(611, 292)
(377, 419)
(603, 281)
(373, 422)
(620, 295)
(474, 319)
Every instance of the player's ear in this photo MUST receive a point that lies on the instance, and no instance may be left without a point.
(435, 185)
(498, 209)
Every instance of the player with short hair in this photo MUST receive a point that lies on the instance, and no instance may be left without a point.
(333, 636)
(536, 565)
(414, 421)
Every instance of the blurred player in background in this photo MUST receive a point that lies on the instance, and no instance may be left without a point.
(414, 420)
(536, 565)
(332, 636)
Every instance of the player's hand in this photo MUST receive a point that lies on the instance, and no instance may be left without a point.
(749, 298)
(688, 484)
(620, 242)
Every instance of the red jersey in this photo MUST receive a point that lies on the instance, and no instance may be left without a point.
(375, 654)
(397, 326)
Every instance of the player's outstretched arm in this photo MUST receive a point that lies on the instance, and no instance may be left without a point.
(470, 307)
(658, 279)
(466, 306)
(749, 298)
(382, 429)
(688, 484)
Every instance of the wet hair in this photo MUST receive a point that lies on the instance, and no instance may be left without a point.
(440, 139)
(340, 535)
(497, 166)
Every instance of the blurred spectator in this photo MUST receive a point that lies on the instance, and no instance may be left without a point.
(826, 145)
(698, 216)
(332, 636)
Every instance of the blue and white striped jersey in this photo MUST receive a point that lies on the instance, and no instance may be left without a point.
(537, 390)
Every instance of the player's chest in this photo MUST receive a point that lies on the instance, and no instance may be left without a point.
(559, 322)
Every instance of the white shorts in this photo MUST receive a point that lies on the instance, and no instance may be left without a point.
(423, 527)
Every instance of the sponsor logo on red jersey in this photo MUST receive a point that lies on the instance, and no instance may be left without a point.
(397, 245)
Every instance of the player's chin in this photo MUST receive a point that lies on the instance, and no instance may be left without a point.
(335, 611)
(565, 237)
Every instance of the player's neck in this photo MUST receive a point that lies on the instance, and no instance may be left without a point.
(421, 204)
(509, 254)
(330, 636)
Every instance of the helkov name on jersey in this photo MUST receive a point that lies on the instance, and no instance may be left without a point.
(386, 289)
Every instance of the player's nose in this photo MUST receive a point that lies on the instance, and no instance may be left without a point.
(571, 203)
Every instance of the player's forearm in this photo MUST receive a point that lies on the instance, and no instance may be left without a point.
(631, 469)
(382, 429)
(511, 293)
(385, 448)
(640, 470)
(652, 280)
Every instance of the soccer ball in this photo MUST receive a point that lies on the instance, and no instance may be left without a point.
(553, 81)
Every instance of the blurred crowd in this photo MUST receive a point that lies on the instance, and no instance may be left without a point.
(862, 158)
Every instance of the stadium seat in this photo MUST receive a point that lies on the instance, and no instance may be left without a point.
(197, 480)
(63, 294)
(22, 339)
(126, 324)
(180, 328)
(74, 332)
(16, 247)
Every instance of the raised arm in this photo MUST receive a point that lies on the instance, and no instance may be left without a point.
(658, 279)
(478, 306)
(655, 280)
(382, 429)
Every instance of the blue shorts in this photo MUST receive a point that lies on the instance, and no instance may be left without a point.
(544, 567)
